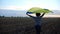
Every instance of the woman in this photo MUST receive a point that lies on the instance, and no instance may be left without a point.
(37, 20)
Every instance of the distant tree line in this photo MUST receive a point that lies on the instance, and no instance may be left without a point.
(11, 16)
(2, 16)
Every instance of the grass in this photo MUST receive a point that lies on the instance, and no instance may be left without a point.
(25, 25)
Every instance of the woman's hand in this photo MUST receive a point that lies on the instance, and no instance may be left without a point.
(43, 14)
(29, 13)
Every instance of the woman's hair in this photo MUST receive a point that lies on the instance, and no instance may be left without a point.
(38, 14)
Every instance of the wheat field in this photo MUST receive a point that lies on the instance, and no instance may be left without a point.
(25, 25)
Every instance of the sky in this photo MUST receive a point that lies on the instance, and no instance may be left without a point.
(27, 4)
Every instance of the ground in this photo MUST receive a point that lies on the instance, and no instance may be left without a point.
(25, 25)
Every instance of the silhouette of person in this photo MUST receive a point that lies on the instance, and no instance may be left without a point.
(37, 20)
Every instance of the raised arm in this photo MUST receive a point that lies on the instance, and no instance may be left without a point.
(42, 14)
(29, 15)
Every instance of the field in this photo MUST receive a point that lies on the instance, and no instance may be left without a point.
(25, 25)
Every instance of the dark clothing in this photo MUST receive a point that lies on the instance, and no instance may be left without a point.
(38, 29)
(37, 20)
(37, 24)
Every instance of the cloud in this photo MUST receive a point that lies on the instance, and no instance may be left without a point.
(16, 7)
(10, 7)
(28, 6)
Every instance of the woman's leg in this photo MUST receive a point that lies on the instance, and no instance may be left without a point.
(38, 29)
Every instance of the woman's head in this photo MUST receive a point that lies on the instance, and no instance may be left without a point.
(38, 14)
